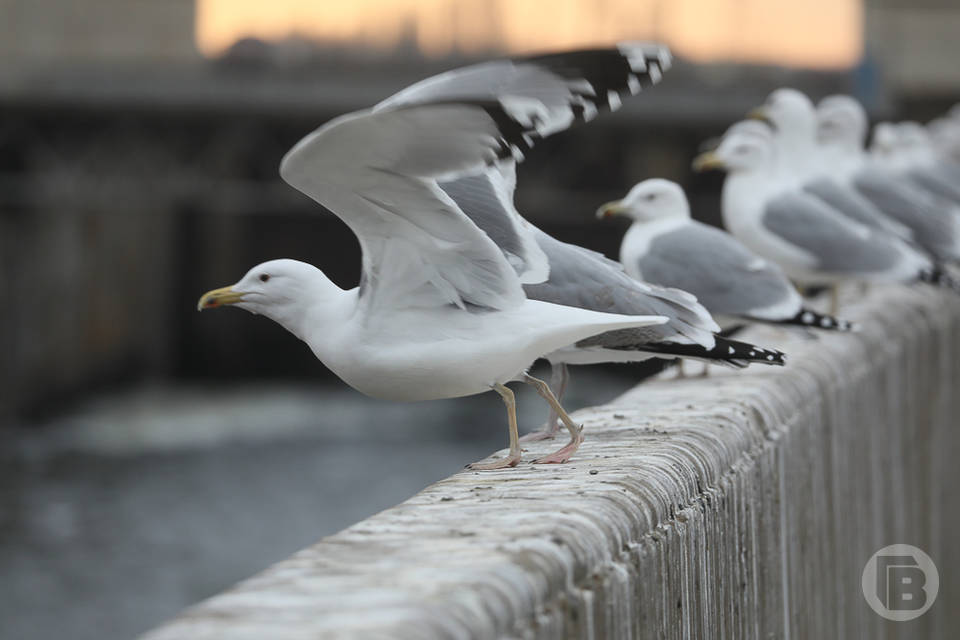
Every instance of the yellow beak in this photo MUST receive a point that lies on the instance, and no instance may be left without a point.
(706, 161)
(219, 298)
(610, 209)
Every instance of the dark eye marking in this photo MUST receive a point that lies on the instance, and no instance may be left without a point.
(264, 277)
(650, 196)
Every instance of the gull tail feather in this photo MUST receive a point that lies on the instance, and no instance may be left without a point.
(728, 352)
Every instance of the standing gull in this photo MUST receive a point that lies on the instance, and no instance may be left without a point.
(907, 149)
(666, 246)
(842, 131)
(586, 279)
(812, 242)
(793, 119)
(440, 311)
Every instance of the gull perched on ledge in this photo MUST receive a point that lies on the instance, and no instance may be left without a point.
(440, 311)
(842, 130)
(765, 207)
(582, 278)
(664, 245)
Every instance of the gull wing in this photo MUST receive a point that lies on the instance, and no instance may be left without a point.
(838, 244)
(724, 275)
(384, 171)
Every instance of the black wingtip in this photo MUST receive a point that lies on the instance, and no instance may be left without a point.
(724, 351)
(938, 277)
(814, 320)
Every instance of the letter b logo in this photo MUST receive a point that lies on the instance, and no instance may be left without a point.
(900, 582)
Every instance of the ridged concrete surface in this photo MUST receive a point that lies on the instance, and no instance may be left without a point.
(743, 505)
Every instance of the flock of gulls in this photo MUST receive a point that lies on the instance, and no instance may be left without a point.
(459, 294)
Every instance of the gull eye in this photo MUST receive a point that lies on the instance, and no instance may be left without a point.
(264, 277)
(650, 197)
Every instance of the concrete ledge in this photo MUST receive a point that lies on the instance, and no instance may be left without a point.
(740, 506)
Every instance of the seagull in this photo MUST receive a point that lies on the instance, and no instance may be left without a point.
(664, 245)
(793, 118)
(586, 279)
(582, 278)
(842, 131)
(440, 311)
(765, 208)
(906, 147)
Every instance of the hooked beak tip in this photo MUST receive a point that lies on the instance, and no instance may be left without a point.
(609, 210)
(218, 298)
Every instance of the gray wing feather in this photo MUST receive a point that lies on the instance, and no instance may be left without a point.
(853, 205)
(934, 228)
(839, 245)
(723, 274)
(487, 199)
(936, 183)
(586, 279)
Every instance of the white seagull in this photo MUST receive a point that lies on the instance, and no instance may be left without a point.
(440, 311)
(842, 132)
(765, 208)
(588, 280)
(665, 246)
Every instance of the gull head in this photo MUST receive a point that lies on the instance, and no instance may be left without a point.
(746, 146)
(842, 121)
(282, 290)
(788, 111)
(652, 199)
(885, 139)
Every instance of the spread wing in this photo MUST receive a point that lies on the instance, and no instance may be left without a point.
(388, 172)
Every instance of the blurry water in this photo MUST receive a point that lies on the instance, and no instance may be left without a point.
(133, 507)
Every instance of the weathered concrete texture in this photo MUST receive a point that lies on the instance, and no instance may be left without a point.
(740, 506)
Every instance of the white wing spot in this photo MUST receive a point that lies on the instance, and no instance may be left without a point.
(807, 318)
(655, 74)
(613, 99)
(732, 350)
(770, 358)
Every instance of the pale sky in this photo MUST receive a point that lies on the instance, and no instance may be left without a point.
(814, 33)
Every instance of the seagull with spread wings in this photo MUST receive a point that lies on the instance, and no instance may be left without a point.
(440, 311)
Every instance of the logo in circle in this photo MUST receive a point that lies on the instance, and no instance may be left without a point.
(900, 582)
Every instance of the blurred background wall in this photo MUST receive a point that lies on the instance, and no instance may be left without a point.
(141, 142)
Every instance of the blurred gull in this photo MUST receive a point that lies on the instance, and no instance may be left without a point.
(793, 118)
(933, 224)
(666, 246)
(906, 147)
(441, 311)
(586, 279)
(765, 208)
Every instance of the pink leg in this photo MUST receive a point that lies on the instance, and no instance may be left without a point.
(558, 380)
(576, 432)
(514, 457)
(563, 454)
